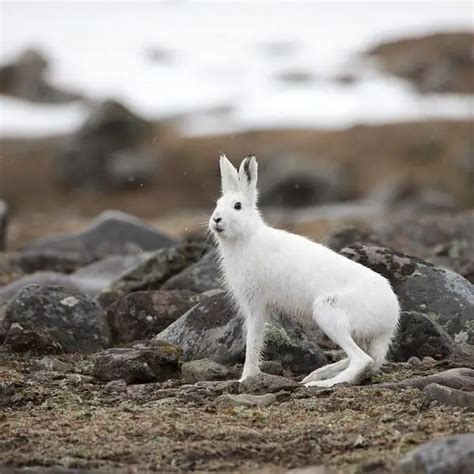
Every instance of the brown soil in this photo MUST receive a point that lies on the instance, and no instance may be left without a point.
(421, 153)
(157, 429)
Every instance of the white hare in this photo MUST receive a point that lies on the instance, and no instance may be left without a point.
(269, 269)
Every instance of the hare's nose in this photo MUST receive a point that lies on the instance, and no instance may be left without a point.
(217, 219)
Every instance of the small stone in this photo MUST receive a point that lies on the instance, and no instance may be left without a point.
(52, 363)
(116, 386)
(265, 383)
(428, 360)
(204, 369)
(246, 400)
(449, 396)
(452, 454)
(157, 362)
(414, 361)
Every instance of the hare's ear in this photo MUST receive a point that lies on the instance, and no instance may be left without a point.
(229, 175)
(248, 175)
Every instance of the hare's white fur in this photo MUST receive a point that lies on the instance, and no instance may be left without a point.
(268, 269)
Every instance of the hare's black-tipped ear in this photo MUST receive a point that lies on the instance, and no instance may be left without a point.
(229, 175)
(248, 176)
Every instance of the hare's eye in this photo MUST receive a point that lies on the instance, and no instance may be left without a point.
(238, 206)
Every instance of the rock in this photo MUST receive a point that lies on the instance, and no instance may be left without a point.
(151, 363)
(208, 330)
(446, 297)
(288, 343)
(42, 279)
(104, 148)
(156, 268)
(246, 400)
(442, 239)
(96, 277)
(204, 369)
(411, 197)
(414, 361)
(116, 386)
(3, 225)
(449, 396)
(419, 336)
(111, 233)
(350, 236)
(212, 330)
(143, 314)
(37, 260)
(55, 318)
(449, 455)
(266, 383)
(290, 183)
(459, 379)
(295, 76)
(52, 364)
(200, 277)
(26, 78)
(434, 63)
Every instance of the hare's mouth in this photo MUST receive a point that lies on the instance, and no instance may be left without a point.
(218, 228)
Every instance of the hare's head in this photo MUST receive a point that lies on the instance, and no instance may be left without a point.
(236, 214)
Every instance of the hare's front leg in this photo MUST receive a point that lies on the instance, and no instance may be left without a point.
(255, 325)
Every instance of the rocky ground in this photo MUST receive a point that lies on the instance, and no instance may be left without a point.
(121, 357)
(119, 350)
(57, 414)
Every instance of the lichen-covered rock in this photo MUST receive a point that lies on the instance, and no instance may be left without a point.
(3, 225)
(420, 336)
(266, 383)
(213, 330)
(442, 239)
(111, 233)
(143, 314)
(446, 297)
(154, 271)
(204, 369)
(142, 364)
(200, 277)
(452, 454)
(54, 318)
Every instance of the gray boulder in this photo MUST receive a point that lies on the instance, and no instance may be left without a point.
(204, 369)
(155, 269)
(141, 364)
(111, 233)
(54, 318)
(104, 149)
(289, 182)
(446, 297)
(449, 455)
(143, 314)
(26, 78)
(449, 396)
(3, 225)
(91, 279)
(212, 330)
(200, 277)
(442, 239)
(266, 383)
(419, 336)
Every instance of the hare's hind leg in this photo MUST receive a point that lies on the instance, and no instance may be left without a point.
(327, 371)
(333, 315)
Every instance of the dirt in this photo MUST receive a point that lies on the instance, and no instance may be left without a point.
(64, 421)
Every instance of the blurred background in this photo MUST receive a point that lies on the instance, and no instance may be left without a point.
(359, 113)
